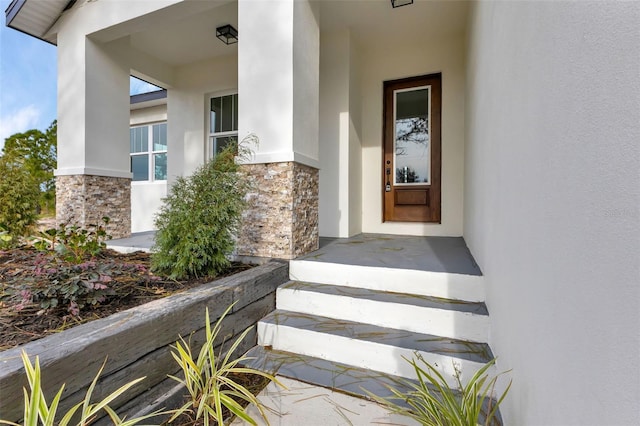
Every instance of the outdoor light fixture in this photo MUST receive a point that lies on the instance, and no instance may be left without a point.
(398, 3)
(227, 34)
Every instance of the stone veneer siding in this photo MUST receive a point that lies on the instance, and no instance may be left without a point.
(281, 220)
(84, 200)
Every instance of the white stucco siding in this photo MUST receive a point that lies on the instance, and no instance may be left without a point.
(306, 63)
(278, 79)
(552, 204)
(146, 200)
(355, 143)
(93, 107)
(408, 59)
(151, 114)
(334, 137)
(266, 108)
(188, 110)
(339, 136)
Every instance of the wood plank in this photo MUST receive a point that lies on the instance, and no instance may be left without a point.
(74, 356)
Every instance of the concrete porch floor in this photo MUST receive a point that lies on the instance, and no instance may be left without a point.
(139, 241)
(435, 254)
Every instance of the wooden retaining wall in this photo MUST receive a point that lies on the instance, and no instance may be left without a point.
(136, 342)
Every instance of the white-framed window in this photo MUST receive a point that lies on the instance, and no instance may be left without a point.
(223, 122)
(149, 152)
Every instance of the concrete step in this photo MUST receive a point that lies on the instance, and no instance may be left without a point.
(444, 285)
(421, 314)
(337, 376)
(369, 346)
(329, 374)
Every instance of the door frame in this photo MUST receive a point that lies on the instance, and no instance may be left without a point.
(432, 214)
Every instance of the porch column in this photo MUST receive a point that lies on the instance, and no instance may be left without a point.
(93, 178)
(278, 75)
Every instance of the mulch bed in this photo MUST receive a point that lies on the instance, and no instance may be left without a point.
(133, 284)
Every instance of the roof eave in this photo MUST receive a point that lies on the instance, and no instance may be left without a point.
(41, 31)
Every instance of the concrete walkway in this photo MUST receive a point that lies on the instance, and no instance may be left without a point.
(140, 241)
(301, 404)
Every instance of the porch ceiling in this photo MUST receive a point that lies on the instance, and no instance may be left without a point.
(190, 39)
(376, 22)
(193, 39)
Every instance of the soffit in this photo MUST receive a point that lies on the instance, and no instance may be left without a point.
(35, 17)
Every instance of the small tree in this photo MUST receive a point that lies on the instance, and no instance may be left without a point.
(197, 224)
(35, 151)
(19, 196)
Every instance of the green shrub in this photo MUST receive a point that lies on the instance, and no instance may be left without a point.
(196, 226)
(19, 196)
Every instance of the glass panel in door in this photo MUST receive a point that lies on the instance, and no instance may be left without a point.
(412, 148)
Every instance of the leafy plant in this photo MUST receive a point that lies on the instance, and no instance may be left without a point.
(38, 411)
(73, 243)
(18, 199)
(207, 378)
(35, 152)
(431, 401)
(6, 239)
(196, 226)
(54, 284)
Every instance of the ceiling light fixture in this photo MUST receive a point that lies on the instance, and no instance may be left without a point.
(398, 3)
(227, 34)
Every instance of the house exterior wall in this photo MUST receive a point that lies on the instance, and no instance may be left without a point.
(355, 141)
(406, 59)
(552, 204)
(340, 203)
(146, 197)
(188, 111)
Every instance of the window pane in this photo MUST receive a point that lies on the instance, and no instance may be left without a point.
(160, 137)
(411, 125)
(139, 139)
(227, 113)
(220, 143)
(140, 167)
(216, 114)
(160, 166)
(223, 114)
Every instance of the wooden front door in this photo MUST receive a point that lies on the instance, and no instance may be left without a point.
(412, 149)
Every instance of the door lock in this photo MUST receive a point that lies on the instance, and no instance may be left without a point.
(388, 185)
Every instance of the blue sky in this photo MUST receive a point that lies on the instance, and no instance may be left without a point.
(28, 81)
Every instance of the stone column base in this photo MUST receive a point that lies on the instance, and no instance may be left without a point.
(281, 220)
(83, 200)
